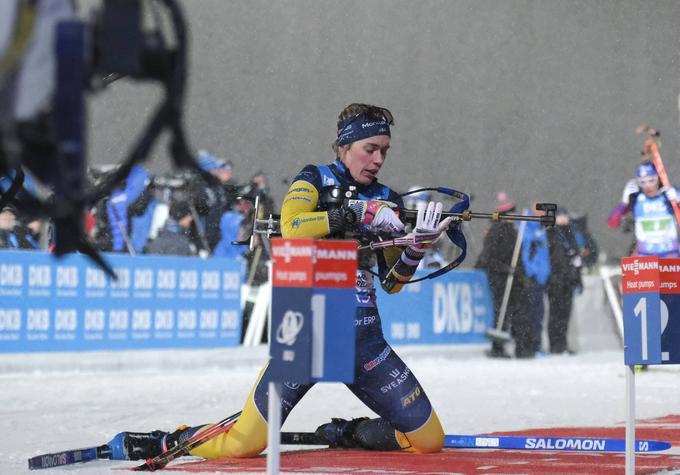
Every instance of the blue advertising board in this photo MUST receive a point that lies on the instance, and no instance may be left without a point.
(669, 288)
(642, 311)
(313, 286)
(453, 308)
(670, 328)
(642, 328)
(69, 304)
(308, 342)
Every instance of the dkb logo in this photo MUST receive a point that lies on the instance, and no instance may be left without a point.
(289, 328)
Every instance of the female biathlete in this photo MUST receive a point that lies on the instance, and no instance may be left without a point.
(383, 381)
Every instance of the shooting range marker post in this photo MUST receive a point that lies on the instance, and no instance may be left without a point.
(651, 326)
(311, 332)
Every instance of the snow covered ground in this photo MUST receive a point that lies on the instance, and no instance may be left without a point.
(52, 402)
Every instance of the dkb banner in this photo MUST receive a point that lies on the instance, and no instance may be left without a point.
(69, 304)
(453, 308)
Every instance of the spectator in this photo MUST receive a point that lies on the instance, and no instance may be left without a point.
(587, 245)
(30, 234)
(536, 260)
(174, 238)
(119, 228)
(259, 186)
(141, 214)
(496, 260)
(12, 234)
(212, 200)
(232, 229)
(8, 221)
(565, 278)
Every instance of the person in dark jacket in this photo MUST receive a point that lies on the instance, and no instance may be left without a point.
(589, 249)
(212, 200)
(174, 238)
(13, 233)
(259, 187)
(495, 259)
(565, 278)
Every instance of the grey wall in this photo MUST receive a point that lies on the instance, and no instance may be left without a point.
(539, 98)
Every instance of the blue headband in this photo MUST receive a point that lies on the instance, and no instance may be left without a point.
(360, 127)
(646, 169)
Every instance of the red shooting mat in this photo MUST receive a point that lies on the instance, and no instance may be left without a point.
(470, 461)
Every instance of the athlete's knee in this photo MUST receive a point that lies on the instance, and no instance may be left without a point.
(250, 448)
(247, 438)
(428, 438)
(235, 443)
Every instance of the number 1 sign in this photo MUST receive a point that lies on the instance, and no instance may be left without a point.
(641, 310)
(651, 325)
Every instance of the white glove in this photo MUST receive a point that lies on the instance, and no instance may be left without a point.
(630, 188)
(386, 220)
(377, 214)
(671, 193)
(427, 223)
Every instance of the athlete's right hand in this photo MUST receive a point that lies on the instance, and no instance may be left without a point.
(630, 188)
(374, 213)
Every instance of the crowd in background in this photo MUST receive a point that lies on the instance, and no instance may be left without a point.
(186, 214)
(526, 262)
(183, 215)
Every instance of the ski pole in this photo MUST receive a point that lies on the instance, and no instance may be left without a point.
(201, 437)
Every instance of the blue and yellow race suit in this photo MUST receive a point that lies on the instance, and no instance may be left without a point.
(383, 381)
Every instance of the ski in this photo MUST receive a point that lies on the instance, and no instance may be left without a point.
(88, 454)
(577, 444)
(160, 461)
(514, 442)
(496, 442)
(68, 457)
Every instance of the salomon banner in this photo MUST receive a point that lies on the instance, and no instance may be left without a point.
(69, 304)
(453, 308)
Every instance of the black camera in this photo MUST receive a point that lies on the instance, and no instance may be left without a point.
(50, 140)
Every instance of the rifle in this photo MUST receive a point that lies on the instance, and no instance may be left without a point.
(335, 196)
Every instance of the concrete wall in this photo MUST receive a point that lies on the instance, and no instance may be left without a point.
(535, 97)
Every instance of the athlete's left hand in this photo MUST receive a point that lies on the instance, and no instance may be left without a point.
(427, 223)
(670, 193)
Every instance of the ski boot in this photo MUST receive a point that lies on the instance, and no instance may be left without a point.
(144, 445)
(360, 433)
(339, 433)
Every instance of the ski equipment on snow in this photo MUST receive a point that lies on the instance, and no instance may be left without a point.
(514, 442)
(160, 461)
(68, 457)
